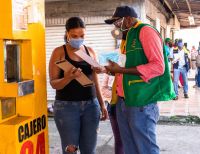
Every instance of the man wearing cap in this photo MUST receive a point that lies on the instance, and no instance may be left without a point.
(181, 65)
(143, 81)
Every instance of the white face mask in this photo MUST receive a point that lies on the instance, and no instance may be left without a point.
(76, 43)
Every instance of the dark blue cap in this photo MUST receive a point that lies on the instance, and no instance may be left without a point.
(122, 11)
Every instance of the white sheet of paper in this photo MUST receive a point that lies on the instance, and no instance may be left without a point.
(87, 58)
(176, 58)
(122, 60)
(111, 80)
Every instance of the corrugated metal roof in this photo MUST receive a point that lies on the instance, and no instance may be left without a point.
(183, 9)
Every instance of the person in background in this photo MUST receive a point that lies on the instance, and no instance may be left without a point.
(199, 47)
(171, 54)
(185, 48)
(169, 50)
(193, 55)
(187, 51)
(181, 66)
(76, 108)
(198, 70)
(175, 49)
(138, 86)
(166, 46)
(175, 43)
(197, 77)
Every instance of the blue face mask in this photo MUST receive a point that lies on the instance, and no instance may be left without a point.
(76, 43)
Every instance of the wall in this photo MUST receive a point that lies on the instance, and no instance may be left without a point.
(87, 8)
(60, 10)
(156, 12)
(95, 12)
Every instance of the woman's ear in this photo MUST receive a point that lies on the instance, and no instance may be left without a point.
(67, 36)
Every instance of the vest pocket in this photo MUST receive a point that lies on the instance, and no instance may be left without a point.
(134, 81)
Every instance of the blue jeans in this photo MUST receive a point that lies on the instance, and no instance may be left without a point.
(115, 128)
(197, 77)
(77, 123)
(177, 73)
(137, 127)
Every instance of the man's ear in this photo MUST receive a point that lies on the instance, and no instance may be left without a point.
(128, 19)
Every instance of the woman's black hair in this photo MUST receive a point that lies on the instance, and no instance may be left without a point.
(74, 22)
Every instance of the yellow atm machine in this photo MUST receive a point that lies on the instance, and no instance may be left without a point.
(23, 109)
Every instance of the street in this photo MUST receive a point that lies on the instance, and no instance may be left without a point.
(172, 139)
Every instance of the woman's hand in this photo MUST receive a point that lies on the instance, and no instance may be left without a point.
(104, 112)
(73, 73)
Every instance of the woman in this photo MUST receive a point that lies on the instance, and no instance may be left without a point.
(76, 108)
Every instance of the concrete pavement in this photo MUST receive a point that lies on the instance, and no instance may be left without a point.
(172, 139)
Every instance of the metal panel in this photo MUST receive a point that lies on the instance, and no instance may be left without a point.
(8, 107)
(25, 87)
(88, 20)
(12, 61)
(98, 37)
(54, 38)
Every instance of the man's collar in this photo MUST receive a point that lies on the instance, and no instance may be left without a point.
(180, 50)
(137, 24)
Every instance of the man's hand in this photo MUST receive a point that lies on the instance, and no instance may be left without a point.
(99, 70)
(113, 67)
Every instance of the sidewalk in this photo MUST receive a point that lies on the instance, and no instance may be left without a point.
(182, 106)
